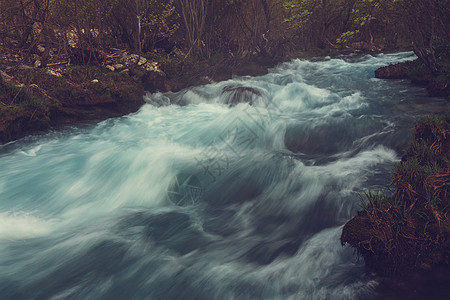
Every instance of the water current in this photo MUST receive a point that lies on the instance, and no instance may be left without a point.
(232, 190)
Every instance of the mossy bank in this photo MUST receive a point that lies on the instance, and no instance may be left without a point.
(33, 100)
(409, 231)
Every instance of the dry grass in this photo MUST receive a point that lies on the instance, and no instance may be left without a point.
(409, 229)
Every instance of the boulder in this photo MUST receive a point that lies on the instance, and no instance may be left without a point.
(152, 77)
(234, 94)
(396, 71)
(118, 67)
(53, 73)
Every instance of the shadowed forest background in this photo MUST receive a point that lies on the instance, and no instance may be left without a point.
(213, 29)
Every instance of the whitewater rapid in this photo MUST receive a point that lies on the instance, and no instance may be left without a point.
(196, 196)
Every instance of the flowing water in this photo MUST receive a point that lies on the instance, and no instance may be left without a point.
(232, 190)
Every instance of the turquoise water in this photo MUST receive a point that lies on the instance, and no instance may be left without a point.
(193, 198)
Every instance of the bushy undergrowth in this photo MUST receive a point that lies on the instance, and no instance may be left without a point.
(410, 228)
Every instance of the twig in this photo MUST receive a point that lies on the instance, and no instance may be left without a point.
(32, 115)
(57, 64)
(12, 101)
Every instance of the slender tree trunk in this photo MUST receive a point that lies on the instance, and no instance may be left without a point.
(194, 17)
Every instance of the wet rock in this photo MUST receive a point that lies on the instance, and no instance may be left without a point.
(400, 234)
(173, 85)
(396, 71)
(437, 86)
(154, 81)
(252, 68)
(233, 94)
(66, 100)
(152, 77)
(53, 73)
(118, 67)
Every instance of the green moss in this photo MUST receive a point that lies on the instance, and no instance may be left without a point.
(16, 98)
(83, 73)
(67, 98)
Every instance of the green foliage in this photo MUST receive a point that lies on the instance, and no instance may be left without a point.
(155, 20)
(14, 99)
(347, 37)
(298, 11)
(374, 200)
(156, 17)
(238, 28)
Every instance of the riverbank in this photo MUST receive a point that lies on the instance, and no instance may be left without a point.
(409, 231)
(437, 85)
(35, 99)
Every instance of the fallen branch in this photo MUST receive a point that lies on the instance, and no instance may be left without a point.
(58, 64)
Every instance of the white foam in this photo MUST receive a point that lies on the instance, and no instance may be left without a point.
(32, 152)
(15, 226)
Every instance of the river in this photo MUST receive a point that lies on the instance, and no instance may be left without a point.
(232, 190)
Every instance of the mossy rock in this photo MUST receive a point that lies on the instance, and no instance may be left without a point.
(409, 230)
(47, 101)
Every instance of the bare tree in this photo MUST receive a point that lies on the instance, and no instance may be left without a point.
(194, 17)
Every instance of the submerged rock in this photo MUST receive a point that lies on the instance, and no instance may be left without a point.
(234, 94)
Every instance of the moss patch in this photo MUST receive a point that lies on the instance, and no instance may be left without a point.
(45, 99)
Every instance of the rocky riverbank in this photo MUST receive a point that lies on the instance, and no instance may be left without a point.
(35, 99)
(416, 71)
